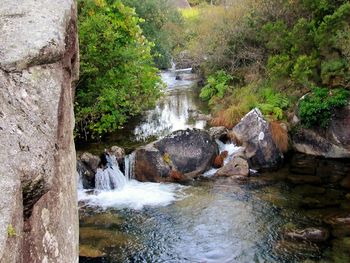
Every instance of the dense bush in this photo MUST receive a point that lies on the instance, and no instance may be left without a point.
(316, 108)
(161, 25)
(118, 78)
(216, 86)
(294, 46)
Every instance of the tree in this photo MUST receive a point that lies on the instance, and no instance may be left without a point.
(118, 79)
(161, 21)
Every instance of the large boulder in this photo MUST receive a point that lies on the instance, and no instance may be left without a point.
(255, 134)
(189, 152)
(38, 64)
(333, 142)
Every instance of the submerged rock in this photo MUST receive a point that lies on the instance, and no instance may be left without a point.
(255, 134)
(310, 234)
(303, 179)
(303, 164)
(346, 182)
(88, 251)
(297, 249)
(190, 152)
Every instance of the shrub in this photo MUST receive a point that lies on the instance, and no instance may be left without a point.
(117, 79)
(216, 86)
(279, 136)
(316, 108)
(273, 103)
(161, 20)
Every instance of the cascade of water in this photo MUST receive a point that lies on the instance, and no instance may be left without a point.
(129, 166)
(80, 181)
(111, 177)
(231, 149)
(173, 65)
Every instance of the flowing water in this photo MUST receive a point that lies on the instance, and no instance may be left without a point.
(221, 220)
(174, 111)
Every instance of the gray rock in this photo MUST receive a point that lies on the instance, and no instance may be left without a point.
(303, 179)
(38, 63)
(189, 152)
(255, 134)
(117, 151)
(91, 161)
(219, 133)
(236, 167)
(88, 176)
(303, 164)
(333, 142)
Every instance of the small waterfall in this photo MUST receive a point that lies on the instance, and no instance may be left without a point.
(129, 166)
(173, 66)
(231, 149)
(111, 177)
(80, 181)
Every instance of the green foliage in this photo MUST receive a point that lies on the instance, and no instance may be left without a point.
(293, 46)
(11, 231)
(303, 70)
(273, 103)
(160, 25)
(276, 36)
(331, 69)
(216, 86)
(279, 66)
(317, 108)
(118, 78)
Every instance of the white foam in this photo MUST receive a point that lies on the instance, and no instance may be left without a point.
(231, 150)
(135, 195)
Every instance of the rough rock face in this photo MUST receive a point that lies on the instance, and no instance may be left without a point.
(334, 142)
(255, 134)
(189, 152)
(219, 133)
(38, 63)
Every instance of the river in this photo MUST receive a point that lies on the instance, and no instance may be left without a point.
(219, 220)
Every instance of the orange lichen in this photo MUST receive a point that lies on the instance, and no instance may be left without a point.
(219, 160)
(279, 136)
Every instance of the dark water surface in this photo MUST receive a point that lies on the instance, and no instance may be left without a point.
(223, 220)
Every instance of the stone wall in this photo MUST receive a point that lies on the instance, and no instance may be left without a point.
(38, 66)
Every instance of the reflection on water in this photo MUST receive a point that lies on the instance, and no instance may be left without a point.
(220, 221)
